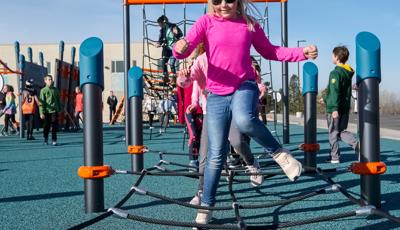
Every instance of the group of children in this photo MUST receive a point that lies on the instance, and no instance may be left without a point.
(225, 95)
(49, 105)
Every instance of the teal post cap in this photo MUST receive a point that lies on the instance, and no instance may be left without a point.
(61, 46)
(310, 78)
(16, 45)
(91, 62)
(368, 56)
(41, 59)
(30, 54)
(135, 82)
(21, 62)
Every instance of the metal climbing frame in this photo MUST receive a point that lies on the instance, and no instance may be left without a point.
(126, 20)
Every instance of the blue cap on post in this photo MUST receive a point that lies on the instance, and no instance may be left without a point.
(135, 82)
(310, 78)
(41, 59)
(368, 56)
(30, 54)
(91, 62)
(16, 45)
(21, 62)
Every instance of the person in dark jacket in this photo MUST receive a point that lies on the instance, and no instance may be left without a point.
(337, 101)
(112, 102)
(169, 34)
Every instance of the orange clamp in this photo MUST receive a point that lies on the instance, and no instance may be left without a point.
(309, 147)
(94, 172)
(136, 149)
(368, 168)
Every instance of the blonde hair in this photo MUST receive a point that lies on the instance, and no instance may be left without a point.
(242, 6)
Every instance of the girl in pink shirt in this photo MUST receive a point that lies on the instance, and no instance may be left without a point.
(228, 34)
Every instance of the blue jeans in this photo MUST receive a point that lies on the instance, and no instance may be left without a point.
(241, 106)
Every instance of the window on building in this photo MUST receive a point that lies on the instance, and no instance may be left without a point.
(117, 66)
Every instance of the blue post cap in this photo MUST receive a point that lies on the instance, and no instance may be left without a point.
(135, 82)
(21, 62)
(16, 45)
(30, 54)
(91, 62)
(310, 78)
(41, 59)
(368, 56)
(61, 47)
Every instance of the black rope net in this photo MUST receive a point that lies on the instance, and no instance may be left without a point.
(160, 170)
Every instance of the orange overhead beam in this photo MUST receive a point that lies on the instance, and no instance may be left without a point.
(145, 2)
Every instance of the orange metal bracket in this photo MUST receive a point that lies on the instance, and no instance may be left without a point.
(309, 147)
(368, 168)
(95, 172)
(136, 149)
(147, 2)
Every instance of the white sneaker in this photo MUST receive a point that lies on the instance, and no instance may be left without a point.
(203, 216)
(196, 200)
(288, 163)
(255, 180)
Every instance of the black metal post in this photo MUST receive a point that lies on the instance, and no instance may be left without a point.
(92, 85)
(368, 79)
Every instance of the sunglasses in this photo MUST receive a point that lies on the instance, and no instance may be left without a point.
(218, 2)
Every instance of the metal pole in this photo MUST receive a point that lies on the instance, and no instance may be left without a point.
(19, 85)
(368, 78)
(298, 75)
(310, 91)
(135, 97)
(285, 79)
(92, 85)
(127, 58)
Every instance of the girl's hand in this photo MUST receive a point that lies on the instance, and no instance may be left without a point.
(181, 46)
(190, 109)
(310, 52)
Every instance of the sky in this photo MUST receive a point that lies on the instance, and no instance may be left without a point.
(325, 23)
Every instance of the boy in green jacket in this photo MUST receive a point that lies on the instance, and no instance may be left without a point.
(50, 106)
(337, 101)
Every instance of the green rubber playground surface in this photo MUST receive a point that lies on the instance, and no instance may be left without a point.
(40, 189)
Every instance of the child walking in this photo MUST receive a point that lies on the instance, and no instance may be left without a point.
(29, 103)
(232, 89)
(338, 103)
(10, 109)
(50, 106)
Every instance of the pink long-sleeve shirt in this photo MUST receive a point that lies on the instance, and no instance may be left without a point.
(198, 78)
(227, 43)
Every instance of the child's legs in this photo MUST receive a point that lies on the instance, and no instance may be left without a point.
(245, 116)
(333, 132)
(166, 119)
(54, 126)
(46, 125)
(172, 61)
(240, 144)
(345, 135)
(203, 151)
(218, 122)
(7, 118)
(29, 124)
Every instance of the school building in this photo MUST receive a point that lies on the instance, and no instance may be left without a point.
(113, 63)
